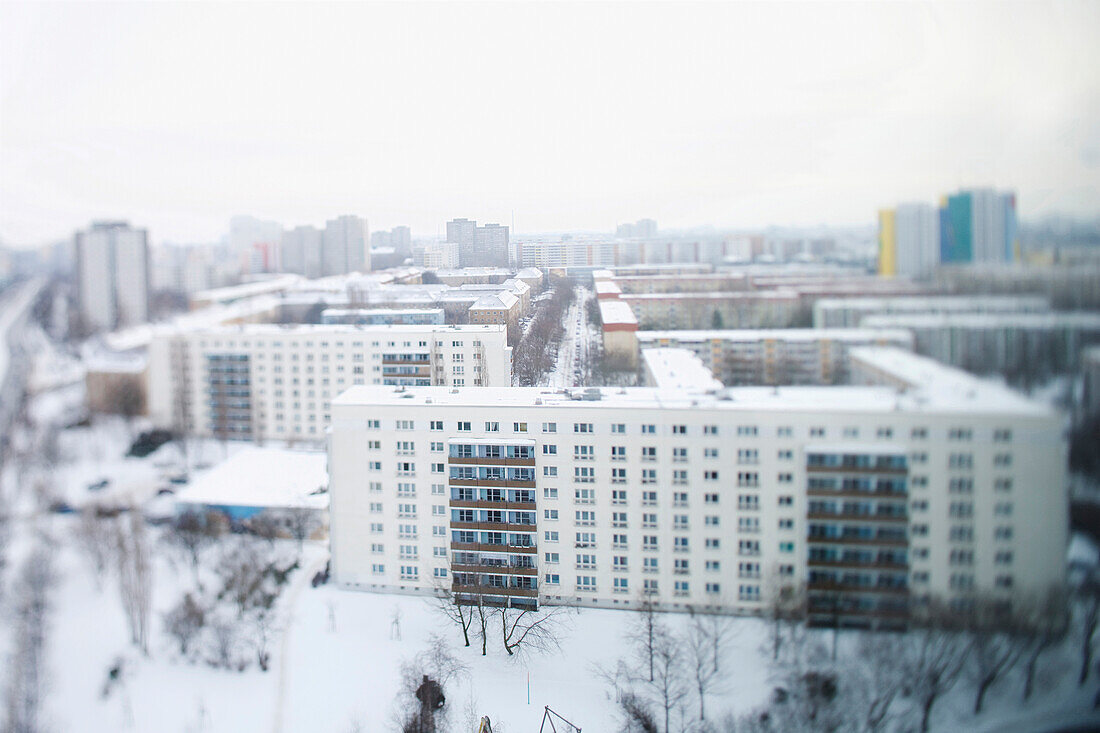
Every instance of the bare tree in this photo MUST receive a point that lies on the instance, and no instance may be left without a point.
(135, 577)
(1044, 621)
(243, 572)
(1088, 614)
(265, 526)
(302, 522)
(669, 683)
(459, 613)
(531, 631)
(95, 536)
(126, 398)
(224, 637)
(934, 657)
(26, 667)
(185, 621)
(785, 604)
(644, 631)
(994, 647)
(702, 662)
(873, 678)
(719, 630)
(193, 532)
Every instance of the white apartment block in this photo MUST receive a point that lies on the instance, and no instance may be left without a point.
(776, 356)
(265, 381)
(850, 312)
(113, 273)
(873, 498)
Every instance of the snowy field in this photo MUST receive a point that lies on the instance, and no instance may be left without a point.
(336, 667)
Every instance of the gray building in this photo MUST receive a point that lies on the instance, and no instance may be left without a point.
(112, 275)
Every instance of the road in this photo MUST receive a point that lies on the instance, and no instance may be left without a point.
(573, 349)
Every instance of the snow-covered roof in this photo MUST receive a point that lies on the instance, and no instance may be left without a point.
(933, 303)
(937, 384)
(1040, 321)
(614, 312)
(677, 369)
(852, 335)
(777, 294)
(262, 477)
(993, 399)
(503, 300)
(247, 290)
(604, 287)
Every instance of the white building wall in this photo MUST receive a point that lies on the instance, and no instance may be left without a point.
(295, 372)
(722, 439)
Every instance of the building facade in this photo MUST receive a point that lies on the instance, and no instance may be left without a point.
(260, 382)
(871, 498)
(781, 356)
(112, 275)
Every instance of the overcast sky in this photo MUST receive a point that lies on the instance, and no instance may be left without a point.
(574, 116)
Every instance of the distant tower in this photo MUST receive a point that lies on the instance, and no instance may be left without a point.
(112, 275)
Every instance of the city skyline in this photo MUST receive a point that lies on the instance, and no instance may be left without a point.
(574, 117)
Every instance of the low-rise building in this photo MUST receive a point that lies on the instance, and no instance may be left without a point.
(262, 382)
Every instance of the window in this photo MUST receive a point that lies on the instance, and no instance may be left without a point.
(710, 475)
(584, 452)
(549, 450)
(649, 498)
(620, 585)
(550, 514)
(582, 427)
(586, 583)
(549, 470)
(710, 453)
(785, 455)
(585, 518)
(680, 478)
(1002, 459)
(584, 496)
(549, 493)
(748, 501)
(747, 478)
(549, 427)
(618, 496)
(784, 432)
(618, 428)
(463, 426)
(618, 475)
(649, 453)
(618, 519)
(436, 425)
(748, 547)
(584, 474)
(649, 475)
(710, 430)
(747, 455)
(552, 579)
(747, 431)
(551, 557)
(492, 427)
(551, 536)
(1002, 435)
(710, 498)
(437, 447)
(817, 432)
(649, 429)
(519, 427)
(786, 478)
(712, 543)
(959, 434)
(1002, 533)
(649, 564)
(679, 455)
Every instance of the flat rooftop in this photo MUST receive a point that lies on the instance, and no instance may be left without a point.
(677, 369)
(262, 477)
(1051, 320)
(987, 398)
(616, 312)
(860, 335)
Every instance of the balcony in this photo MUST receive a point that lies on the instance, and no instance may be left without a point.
(840, 517)
(888, 541)
(860, 493)
(488, 590)
(858, 470)
(496, 526)
(827, 587)
(457, 461)
(492, 483)
(487, 547)
(486, 504)
(859, 564)
(499, 569)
